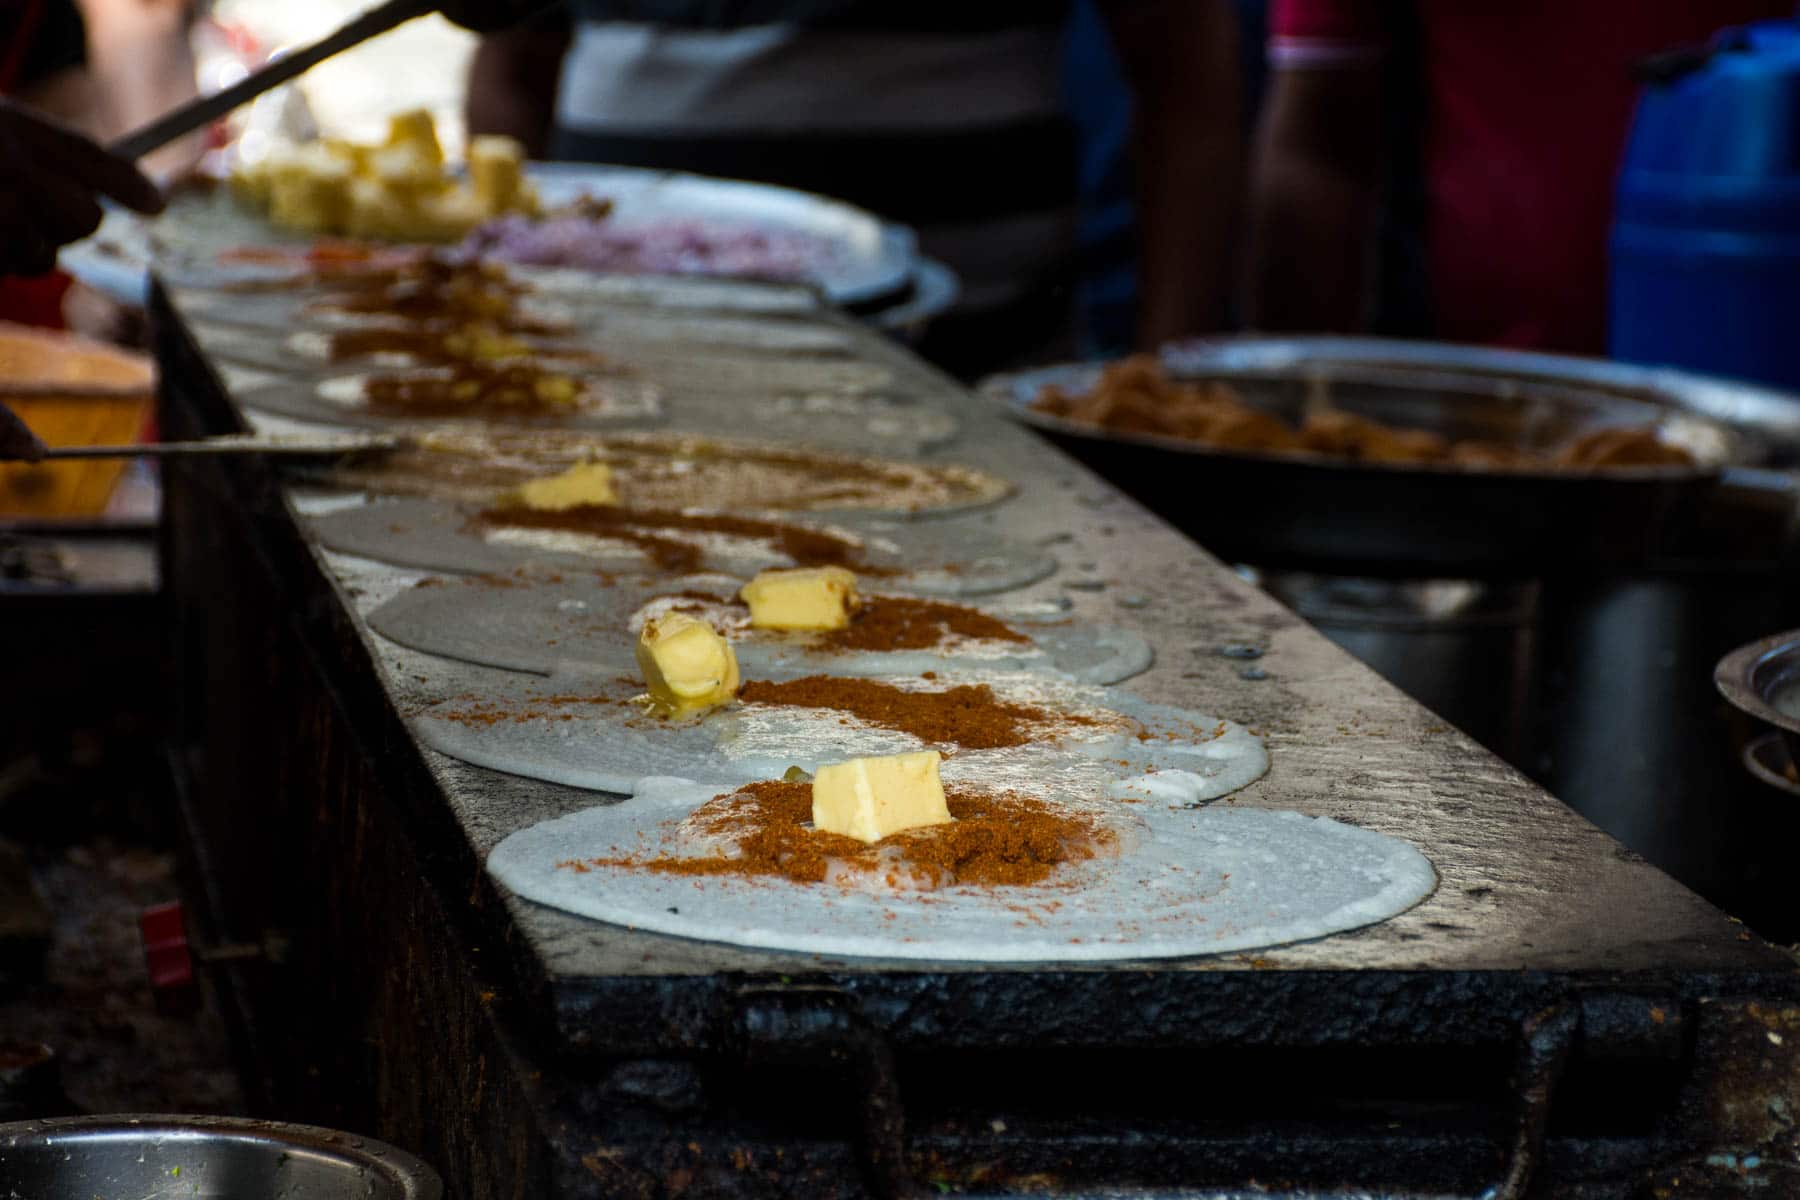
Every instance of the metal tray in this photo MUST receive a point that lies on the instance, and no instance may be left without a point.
(1323, 513)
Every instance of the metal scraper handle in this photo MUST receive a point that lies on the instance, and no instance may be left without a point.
(195, 113)
(313, 445)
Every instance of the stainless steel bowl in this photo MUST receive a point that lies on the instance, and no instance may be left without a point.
(1766, 757)
(1429, 520)
(1762, 679)
(228, 1158)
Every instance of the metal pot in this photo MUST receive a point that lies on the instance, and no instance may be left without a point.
(139, 1157)
(1460, 647)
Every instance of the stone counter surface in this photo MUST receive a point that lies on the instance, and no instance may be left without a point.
(1526, 885)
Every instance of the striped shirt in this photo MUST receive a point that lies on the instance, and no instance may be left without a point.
(940, 118)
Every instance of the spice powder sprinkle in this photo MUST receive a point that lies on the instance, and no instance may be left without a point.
(969, 716)
(995, 840)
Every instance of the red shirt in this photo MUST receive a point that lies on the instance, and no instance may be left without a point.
(1528, 106)
(37, 39)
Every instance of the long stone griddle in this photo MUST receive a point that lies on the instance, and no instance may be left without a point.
(1532, 899)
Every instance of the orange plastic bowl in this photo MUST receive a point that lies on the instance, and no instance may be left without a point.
(71, 392)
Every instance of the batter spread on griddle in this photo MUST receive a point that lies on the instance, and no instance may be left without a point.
(1003, 840)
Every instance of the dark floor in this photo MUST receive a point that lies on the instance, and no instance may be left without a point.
(94, 1006)
(87, 842)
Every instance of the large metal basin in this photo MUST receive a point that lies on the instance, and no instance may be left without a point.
(1435, 521)
(227, 1158)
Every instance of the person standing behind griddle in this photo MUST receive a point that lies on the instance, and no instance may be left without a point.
(944, 116)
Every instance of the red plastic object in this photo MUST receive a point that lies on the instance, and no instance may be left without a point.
(168, 957)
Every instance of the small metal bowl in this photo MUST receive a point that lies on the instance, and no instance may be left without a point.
(1766, 757)
(228, 1158)
(1763, 680)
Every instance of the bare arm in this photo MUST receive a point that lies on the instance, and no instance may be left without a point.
(142, 66)
(1180, 57)
(1313, 195)
(512, 84)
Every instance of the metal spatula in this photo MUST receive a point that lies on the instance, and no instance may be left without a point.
(309, 445)
(19, 444)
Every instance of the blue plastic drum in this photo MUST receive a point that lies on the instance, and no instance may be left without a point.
(1706, 236)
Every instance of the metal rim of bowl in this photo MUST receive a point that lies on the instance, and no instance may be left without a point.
(1735, 677)
(1734, 403)
(413, 1178)
(1257, 357)
(1023, 412)
(1770, 745)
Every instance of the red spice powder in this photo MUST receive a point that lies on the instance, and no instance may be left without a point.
(903, 623)
(1003, 840)
(439, 292)
(469, 387)
(637, 526)
(967, 715)
(479, 712)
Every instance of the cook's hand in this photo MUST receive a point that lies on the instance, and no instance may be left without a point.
(487, 16)
(50, 181)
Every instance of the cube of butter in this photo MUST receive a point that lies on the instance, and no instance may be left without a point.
(688, 666)
(375, 212)
(448, 216)
(417, 129)
(250, 183)
(494, 171)
(583, 483)
(309, 190)
(405, 170)
(801, 598)
(354, 153)
(869, 798)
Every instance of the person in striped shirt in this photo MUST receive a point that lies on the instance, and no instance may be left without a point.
(943, 116)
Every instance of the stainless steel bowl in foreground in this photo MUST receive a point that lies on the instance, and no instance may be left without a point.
(1762, 679)
(228, 1158)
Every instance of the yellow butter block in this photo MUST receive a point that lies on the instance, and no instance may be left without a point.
(405, 170)
(583, 483)
(310, 190)
(802, 598)
(484, 343)
(870, 798)
(687, 665)
(376, 212)
(495, 167)
(416, 128)
(250, 183)
(448, 216)
(354, 153)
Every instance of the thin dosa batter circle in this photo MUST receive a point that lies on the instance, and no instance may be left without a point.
(550, 624)
(935, 558)
(1193, 882)
(586, 732)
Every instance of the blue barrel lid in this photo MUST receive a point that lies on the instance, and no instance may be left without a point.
(1718, 142)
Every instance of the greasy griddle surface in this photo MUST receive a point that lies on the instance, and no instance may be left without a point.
(1525, 884)
(673, 470)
